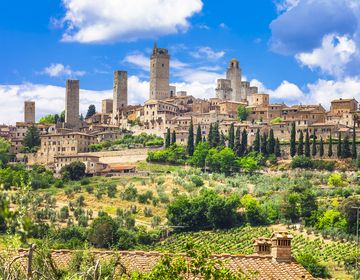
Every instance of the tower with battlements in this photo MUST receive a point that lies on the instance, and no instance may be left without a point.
(159, 73)
(234, 75)
(120, 93)
(72, 97)
(29, 111)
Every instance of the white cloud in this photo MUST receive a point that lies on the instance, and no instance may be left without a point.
(60, 70)
(223, 25)
(207, 53)
(124, 20)
(286, 5)
(332, 57)
(138, 59)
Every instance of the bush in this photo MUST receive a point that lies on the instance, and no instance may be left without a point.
(85, 181)
(59, 183)
(73, 171)
(336, 180)
(197, 180)
(308, 261)
(130, 193)
(102, 232)
(307, 163)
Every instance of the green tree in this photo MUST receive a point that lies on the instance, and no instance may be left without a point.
(353, 143)
(32, 138)
(91, 111)
(222, 140)
(271, 142)
(4, 152)
(300, 147)
(311, 264)
(199, 156)
(210, 136)
(231, 140)
(73, 171)
(62, 116)
(102, 232)
(293, 140)
(263, 145)
(48, 119)
(349, 211)
(330, 151)
(313, 146)
(167, 139)
(190, 143)
(173, 137)
(243, 146)
(253, 212)
(345, 149)
(339, 146)
(277, 148)
(215, 135)
(223, 161)
(243, 113)
(237, 145)
(332, 219)
(307, 144)
(321, 147)
(256, 143)
(198, 137)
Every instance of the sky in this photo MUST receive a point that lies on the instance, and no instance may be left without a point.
(298, 51)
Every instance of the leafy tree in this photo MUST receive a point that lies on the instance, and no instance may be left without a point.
(32, 138)
(263, 145)
(102, 232)
(243, 113)
(62, 116)
(345, 149)
(190, 143)
(91, 111)
(339, 146)
(4, 152)
(248, 163)
(313, 146)
(243, 146)
(198, 138)
(330, 151)
(277, 148)
(56, 118)
(200, 153)
(256, 143)
(173, 137)
(293, 140)
(48, 119)
(331, 219)
(271, 142)
(353, 143)
(300, 148)
(253, 212)
(349, 211)
(167, 139)
(222, 161)
(73, 171)
(291, 206)
(307, 144)
(321, 147)
(311, 264)
(231, 136)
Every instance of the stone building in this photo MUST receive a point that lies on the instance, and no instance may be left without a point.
(107, 106)
(224, 90)
(158, 113)
(29, 111)
(159, 74)
(340, 106)
(234, 75)
(120, 91)
(72, 97)
(93, 166)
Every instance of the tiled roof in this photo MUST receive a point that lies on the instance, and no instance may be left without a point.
(260, 266)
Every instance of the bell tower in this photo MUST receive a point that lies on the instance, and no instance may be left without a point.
(159, 73)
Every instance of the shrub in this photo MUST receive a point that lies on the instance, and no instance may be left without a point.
(311, 264)
(73, 171)
(197, 180)
(102, 232)
(59, 183)
(111, 190)
(336, 180)
(147, 212)
(130, 193)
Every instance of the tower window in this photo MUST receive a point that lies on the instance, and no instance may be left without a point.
(162, 65)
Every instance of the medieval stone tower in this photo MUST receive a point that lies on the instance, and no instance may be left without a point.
(120, 93)
(72, 103)
(159, 73)
(29, 111)
(234, 75)
(223, 89)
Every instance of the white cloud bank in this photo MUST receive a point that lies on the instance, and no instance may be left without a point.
(125, 20)
(60, 70)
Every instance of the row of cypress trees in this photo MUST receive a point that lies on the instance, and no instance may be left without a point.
(310, 148)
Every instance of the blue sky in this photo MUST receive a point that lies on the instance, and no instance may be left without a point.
(298, 51)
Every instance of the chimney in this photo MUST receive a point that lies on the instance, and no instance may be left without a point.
(281, 246)
(262, 246)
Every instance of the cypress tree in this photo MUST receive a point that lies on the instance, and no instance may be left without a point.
(243, 146)
(204, 139)
(353, 144)
(345, 149)
(338, 151)
(263, 145)
(307, 144)
(300, 147)
(256, 143)
(330, 151)
(173, 138)
(167, 140)
(210, 140)
(313, 147)
(237, 144)
(231, 136)
(198, 135)
(222, 139)
(277, 148)
(321, 147)
(190, 143)
(216, 135)
(293, 140)
(271, 143)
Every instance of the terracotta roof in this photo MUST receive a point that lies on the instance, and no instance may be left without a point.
(263, 266)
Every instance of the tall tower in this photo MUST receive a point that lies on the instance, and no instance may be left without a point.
(72, 103)
(29, 111)
(120, 93)
(159, 73)
(223, 89)
(234, 75)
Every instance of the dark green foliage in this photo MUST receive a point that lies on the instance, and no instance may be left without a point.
(263, 145)
(102, 232)
(353, 144)
(231, 142)
(243, 146)
(313, 146)
(311, 264)
(330, 151)
(271, 142)
(210, 136)
(338, 147)
(307, 144)
(73, 171)
(321, 147)
(174, 154)
(31, 139)
(300, 147)
(345, 149)
(198, 137)
(237, 144)
(257, 140)
(222, 140)
(348, 209)
(306, 163)
(215, 135)
(200, 153)
(91, 111)
(167, 138)
(223, 161)
(242, 113)
(293, 140)
(173, 137)
(277, 148)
